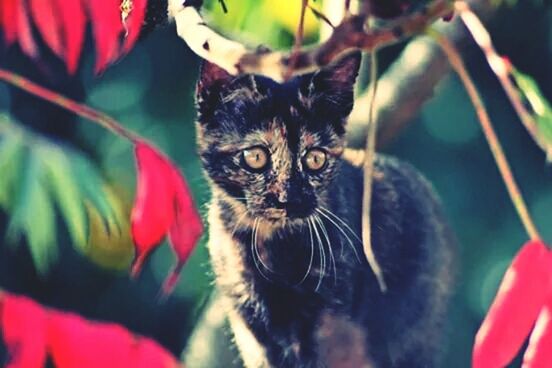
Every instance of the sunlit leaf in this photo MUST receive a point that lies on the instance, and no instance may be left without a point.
(11, 150)
(66, 191)
(541, 108)
(34, 214)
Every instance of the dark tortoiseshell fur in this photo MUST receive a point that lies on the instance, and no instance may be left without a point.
(285, 313)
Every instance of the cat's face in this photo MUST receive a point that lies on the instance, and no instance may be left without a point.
(270, 149)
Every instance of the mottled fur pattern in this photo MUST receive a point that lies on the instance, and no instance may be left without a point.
(285, 240)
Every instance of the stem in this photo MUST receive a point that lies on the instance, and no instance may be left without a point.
(492, 139)
(500, 68)
(369, 156)
(80, 109)
(298, 40)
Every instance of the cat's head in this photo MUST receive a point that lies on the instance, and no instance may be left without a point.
(271, 150)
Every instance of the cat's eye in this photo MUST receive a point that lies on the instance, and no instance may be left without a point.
(255, 158)
(315, 159)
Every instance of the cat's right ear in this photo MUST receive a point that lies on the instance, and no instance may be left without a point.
(211, 79)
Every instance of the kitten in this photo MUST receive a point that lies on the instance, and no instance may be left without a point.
(285, 228)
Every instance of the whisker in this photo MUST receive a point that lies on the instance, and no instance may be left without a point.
(342, 222)
(322, 253)
(257, 248)
(311, 255)
(253, 249)
(349, 241)
(325, 233)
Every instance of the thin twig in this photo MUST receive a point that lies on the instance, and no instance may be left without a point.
(501, 70)
(369, 157)
(68, 104)
(317, 13)
(299, 35)
(492, 139)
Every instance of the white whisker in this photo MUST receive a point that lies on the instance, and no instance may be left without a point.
(325, 233)
(349, 241)
(311, 255)
(322, 253)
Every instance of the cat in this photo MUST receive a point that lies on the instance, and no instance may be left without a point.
(285, 228)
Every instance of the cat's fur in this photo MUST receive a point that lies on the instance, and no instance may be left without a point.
(283, 312)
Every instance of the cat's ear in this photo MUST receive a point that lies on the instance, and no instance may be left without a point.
(211, 79)
(330, 90)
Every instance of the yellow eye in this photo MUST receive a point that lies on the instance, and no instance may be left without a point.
(315, 159)
(255, 158)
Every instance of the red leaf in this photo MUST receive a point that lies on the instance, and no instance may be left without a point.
(134, 23)
(539, 351)
(9, 20)
(521, 295)
(153, 210)
(25, 32)
(75, 342)
(23, 325)
(107, 28)
(149, 354)
(185, 231)
(73, 22)
(45, 15)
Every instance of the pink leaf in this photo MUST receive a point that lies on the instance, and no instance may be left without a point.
(73, 21)
(75, 342)
(23, 325)
(185, 231)
(153, 211)
(107, 28)
(24, 32)
(134, 23)
(45, 15)
(9, 20)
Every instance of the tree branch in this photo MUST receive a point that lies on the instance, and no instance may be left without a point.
(349, 34)
(409, 82)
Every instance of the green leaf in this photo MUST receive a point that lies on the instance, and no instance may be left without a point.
(541, 109)
(33, 215)
(11, 150)
(64, 188)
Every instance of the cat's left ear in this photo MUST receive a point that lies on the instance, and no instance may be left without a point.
(331, 90)
(211, 80)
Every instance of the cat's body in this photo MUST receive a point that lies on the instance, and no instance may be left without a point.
(285, 230)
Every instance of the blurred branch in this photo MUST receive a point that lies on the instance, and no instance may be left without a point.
(498, 153)
(349, 34)
(502, 70)
(409, 82)
(67, 103)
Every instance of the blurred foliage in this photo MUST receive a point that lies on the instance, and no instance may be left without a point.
(41, 178)
(540, 107)
(279, 21)
(151, 92)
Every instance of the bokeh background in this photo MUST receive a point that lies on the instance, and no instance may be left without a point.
(57, 172)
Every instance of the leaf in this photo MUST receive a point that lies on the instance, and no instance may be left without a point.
(45, 15)
(9, 15)
(134, 23)
(523, 291)
(33, 215)
(63, 186)
(11, 154)
(107, 28)
(93, 188)
(25, 31)
(153, 211)
(23, 325)
(73, 21)
(542, 110)
(75, 342)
